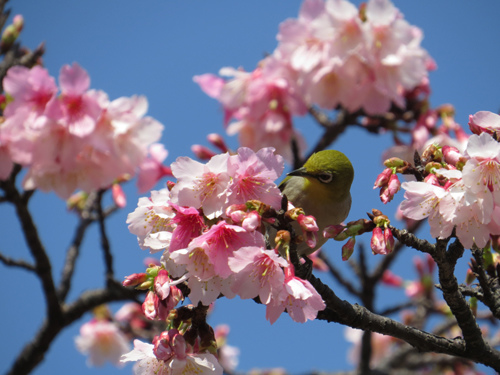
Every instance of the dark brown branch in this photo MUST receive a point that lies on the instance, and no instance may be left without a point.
(356, 316)
(108, 257)
(338, 276)
(42, 262)
(17, 263)
(490, 286)
(34, 352)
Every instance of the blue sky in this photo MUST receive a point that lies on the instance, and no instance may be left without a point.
(154, 48)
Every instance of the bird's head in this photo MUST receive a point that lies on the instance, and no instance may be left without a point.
(328, 173)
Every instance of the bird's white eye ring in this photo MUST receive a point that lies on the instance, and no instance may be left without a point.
(325, 177)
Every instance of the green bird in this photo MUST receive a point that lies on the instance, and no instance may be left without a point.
(322, 189)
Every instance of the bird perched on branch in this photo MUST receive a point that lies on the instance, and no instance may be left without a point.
(322, 189)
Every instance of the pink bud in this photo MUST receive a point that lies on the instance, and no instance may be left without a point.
(307, 223)
(383, 178)
(332, 231)
(377, 242)
(135, 279)
(162, 284)
(119, 195)
(162, 346)
(348, 248)
(217, 141)
(202, 152)
(387, 192)
(251, 222)
(452, 155)
(419, 266)
(432, 179)
(18, 22)
(149, 306)
(389, 240)
(389, 278)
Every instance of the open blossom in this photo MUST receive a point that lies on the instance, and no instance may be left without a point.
(76, 140)
(299, 298)
(262, 104)
(340, 59)
(170, 358)
(201, 184)
(257, 273)
(102, 341)
(253, 175)
(467, 201)
(152, 222)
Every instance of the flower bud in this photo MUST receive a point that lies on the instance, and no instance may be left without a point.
(332, 231)
(135, 279)
(389, 278)
(395, 163)
(251, 221)
(470, 277)
(118, 195)
(383, 178)
(294, 213)
(202, 152)
(348, 248)
(377, 242)
(217, 141)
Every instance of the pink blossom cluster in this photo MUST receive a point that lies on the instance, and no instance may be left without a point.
(171, 354)
(333, 54)
(73, 139)
(463, 190)
(262, 104)
(210, 230)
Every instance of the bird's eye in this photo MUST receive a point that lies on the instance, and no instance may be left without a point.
(325, 177)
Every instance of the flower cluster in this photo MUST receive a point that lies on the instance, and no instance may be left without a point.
(77, 139)
(171, 354)
(210, 228)
(460, 190)
(331, 55)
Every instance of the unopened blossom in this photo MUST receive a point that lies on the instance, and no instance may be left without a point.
(309, 228)
(102, 341)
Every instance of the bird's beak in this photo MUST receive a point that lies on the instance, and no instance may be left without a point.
(298, 172)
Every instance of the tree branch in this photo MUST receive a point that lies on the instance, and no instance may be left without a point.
(17, 263)
(356, 316)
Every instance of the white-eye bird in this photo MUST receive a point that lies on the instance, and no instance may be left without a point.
(322, 189)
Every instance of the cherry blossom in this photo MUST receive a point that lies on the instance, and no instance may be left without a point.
(102, 341)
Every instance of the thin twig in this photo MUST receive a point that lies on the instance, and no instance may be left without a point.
(17, 263)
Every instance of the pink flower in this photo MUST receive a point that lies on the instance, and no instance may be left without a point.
(262, 103)
(75, 109)
(482, 171)
(170, 355)
(29, 88)
(484, 122)
(299, 298)
(201, 185)
(222, 240)
(152, 222)
(77, 140)
(253, 175)
(102, 341)
(258, 272)
(151, 169)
